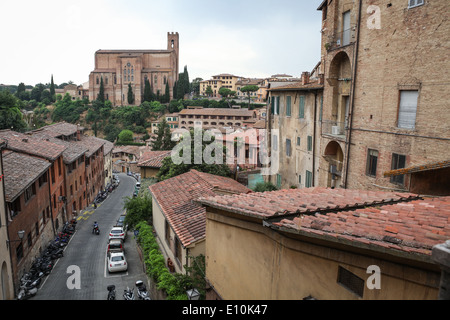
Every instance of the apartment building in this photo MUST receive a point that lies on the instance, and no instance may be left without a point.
(214, 118)
(385, 121)
(6, 283)
(293, 126)
(218, 81)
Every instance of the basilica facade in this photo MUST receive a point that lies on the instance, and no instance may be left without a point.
(120, 68)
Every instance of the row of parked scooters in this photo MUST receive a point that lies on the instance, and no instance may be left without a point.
(128, 294)
(43, 265)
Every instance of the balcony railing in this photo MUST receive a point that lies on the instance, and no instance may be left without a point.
(333, 128)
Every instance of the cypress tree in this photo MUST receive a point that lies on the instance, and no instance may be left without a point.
(101, 92)
(166, 97)
(52, 90)
(147, 91)
(130, 94)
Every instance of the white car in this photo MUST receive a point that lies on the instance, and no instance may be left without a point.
(117, 233)
(117, 262)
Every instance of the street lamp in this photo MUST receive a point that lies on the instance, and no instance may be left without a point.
(193, 294)
(20, 233)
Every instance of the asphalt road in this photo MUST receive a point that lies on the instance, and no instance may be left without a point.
(81, 274)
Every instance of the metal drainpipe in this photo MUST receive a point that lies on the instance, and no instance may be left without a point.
(355, 64)
(314, 139)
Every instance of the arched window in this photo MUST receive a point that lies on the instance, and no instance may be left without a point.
(97, 81)
(165, 80)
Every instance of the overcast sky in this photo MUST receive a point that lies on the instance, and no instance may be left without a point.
(248, 38)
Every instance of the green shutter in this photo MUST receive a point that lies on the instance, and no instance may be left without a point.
(288, 106)
(309, 143)
(279, 181)
(278, 105)
(301, 112)
(308, 182)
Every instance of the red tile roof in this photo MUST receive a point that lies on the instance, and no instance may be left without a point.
(269, 204)
(153, 159)
(399, 222)
(175, 198)
(20, 171)
(31, 145)
(412, 227)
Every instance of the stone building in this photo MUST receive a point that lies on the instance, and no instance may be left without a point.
(294, 127)
(386, 95)
(119, 68)
(214, 118)
(6, 282)
(325, 244)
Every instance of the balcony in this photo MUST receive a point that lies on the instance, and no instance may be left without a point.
(341, 39)
(334, 129)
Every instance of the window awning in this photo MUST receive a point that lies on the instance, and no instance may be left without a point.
(419, 168)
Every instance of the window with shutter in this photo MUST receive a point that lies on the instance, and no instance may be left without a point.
(288, 106)
(407, 109)
(301, 112)
(308, 182)
(309, 143)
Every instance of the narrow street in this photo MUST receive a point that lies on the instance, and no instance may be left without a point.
(86, 253)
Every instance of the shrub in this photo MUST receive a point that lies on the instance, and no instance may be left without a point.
(173, 285)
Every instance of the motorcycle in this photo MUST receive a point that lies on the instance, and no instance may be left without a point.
(96, 230)
(142, 290)
(128, 294)
(111, 292)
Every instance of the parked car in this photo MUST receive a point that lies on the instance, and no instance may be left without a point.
(115, 245)
(117, 262)
(121, 223)
(117, 233)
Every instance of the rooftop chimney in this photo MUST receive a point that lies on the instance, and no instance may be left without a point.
(305, 78)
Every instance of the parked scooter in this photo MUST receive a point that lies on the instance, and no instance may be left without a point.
(128, 294)
(26, 293)
(111, 292)
(142, 292)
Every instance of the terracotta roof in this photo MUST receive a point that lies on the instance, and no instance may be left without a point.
(298, 86)
(60, 129)
(174, 196)
(93, 144)
(411, 227)
(218, 112)
(71, 153)
(31, 145)
(294, 201)
(153, 159)
(20, 171)
(402, 223)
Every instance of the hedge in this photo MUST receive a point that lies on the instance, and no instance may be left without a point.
(155, 264)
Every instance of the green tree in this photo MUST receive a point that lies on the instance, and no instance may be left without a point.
(265, 186)
(249, 89)
(195, 85)
(52, 90)
(101, 92)
(209, 91)
(147, 91)
(126, 136)
(218, 166)
(158, 142)
(130, 95)
(10, 115)
(138, 209)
